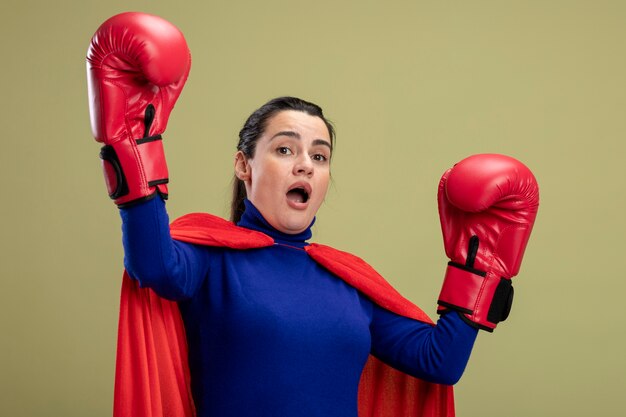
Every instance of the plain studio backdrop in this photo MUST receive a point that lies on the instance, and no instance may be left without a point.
(412, 87)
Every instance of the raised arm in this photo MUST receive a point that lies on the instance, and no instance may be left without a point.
(487, 207)
(137, 65)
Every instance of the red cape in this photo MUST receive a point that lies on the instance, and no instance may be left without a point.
(152, 373)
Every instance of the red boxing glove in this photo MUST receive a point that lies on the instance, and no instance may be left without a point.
(487, 207)
(137, 65)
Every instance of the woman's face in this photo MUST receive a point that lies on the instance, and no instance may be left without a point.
(288, 176)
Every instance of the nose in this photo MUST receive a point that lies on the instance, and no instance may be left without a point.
(303, 166)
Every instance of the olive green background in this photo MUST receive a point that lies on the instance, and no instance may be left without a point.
(412, 87)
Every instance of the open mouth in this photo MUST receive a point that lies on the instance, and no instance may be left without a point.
(298, 194)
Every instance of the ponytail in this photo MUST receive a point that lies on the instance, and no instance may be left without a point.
(237, 206)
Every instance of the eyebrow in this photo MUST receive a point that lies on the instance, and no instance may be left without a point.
(296, 135)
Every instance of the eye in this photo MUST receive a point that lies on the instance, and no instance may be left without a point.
(283, 150)
(318, 157)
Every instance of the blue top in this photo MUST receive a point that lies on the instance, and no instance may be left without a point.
(271, 332)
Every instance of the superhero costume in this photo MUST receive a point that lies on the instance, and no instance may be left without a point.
(410, 396)
(128, 116)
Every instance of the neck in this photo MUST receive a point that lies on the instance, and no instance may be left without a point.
(253, 219)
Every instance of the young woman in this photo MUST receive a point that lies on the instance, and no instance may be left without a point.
(272, 330)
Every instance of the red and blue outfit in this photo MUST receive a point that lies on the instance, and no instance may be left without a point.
(272, 332)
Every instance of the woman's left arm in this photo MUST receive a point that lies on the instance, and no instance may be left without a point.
(436, 353)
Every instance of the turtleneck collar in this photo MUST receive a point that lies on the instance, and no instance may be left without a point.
(253, 219)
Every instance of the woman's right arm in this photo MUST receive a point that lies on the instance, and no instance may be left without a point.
(137, 65)
(173, 269)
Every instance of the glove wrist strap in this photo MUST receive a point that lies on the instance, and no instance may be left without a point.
(484, 299)
(135, 170)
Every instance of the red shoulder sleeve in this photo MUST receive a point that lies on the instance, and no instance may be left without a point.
(209, 230)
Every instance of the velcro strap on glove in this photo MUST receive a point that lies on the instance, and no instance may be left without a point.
(484, 299)
(135, 170)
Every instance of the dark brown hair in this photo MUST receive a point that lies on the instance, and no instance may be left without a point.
(253, 129)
